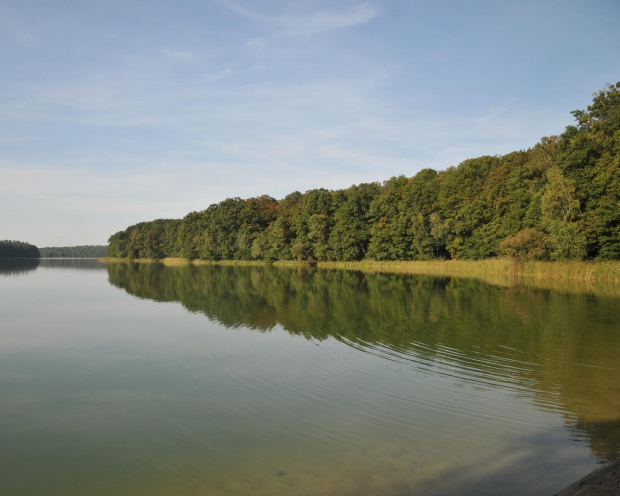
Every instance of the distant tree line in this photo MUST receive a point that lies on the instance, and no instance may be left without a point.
(18, 249)
(558, 200)
(86, 251)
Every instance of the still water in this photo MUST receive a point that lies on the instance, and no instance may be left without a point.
(214, 380)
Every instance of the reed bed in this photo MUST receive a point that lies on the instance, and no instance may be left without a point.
(596, 278)
(599, 278)
(608, 272)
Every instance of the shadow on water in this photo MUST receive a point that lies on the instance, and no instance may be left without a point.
(17, 266)
(21, 266)
(561, 350)
(603, 437)
(507, 472)
(72, 263)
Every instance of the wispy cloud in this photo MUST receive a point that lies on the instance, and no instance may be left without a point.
(15, 139)
(14, 29)
(304, 25)
(366, 159)
(55, 201)
(178, 55)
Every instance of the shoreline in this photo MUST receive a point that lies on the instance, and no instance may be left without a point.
(603, 481)
(601, 278)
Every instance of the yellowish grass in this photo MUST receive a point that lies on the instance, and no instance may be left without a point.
(608, 271)
(228, 262)
(601, 278)
(127, 260)
(180, 261)
(571, 270)
(432, 267)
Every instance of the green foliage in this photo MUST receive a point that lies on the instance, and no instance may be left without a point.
(18, 249)
(565, 188)
(351, 232)
(463, 202)
(85, 251)
(155, 239)
(560, 211)
(528, 244)
(589, 155)
(390, 236)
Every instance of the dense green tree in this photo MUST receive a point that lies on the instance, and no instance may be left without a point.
(561, 211)
(277, 241)
(189, 234)
(85, 251)
(313, 225)
(155, 239)
(589, 156)
(563, 193)
(350, 235)
(391, 231)
(255, 215)
(527, 244)
(222, 224)
(418, 203)
(18, 249)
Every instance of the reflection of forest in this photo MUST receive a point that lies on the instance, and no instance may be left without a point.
(73, 263)
(563, 349)
(17, 266)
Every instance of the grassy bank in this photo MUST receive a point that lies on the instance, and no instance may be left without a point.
(608, 272)
(181, 261)
(600, 278)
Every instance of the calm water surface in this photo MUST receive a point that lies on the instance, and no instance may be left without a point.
(148, 380)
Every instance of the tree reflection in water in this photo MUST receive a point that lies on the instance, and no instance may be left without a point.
(561, 349)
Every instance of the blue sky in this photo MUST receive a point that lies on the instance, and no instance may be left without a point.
(114, 112)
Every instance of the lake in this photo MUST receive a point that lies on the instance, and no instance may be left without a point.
(140, 379)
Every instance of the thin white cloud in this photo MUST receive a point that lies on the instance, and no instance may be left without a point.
(364, 158)
(75, 205)
(14, 29)
(256, 43)
(15, 139)
(178, 55)
(216, 76)
(305, 25)
(130, 100)
(273, 149)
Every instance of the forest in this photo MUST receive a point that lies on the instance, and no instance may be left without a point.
(86, 251)
(18, 249)
(558, 200)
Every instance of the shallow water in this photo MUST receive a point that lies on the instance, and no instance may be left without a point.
(144, 379)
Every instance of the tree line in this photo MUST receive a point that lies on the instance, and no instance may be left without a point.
(18, 249)
(86, 251)
(558, 200)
